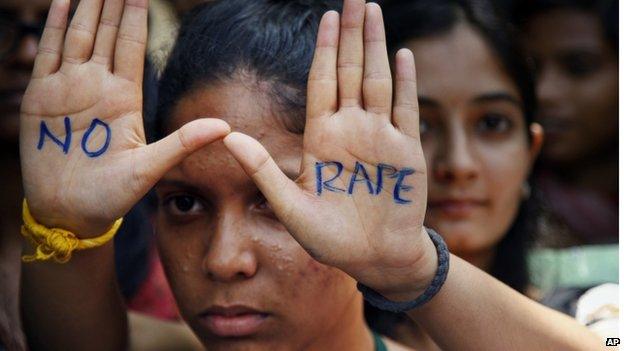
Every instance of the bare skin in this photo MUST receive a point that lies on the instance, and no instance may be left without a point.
(15, 68)
(377, 242)
(475, 141)
(578, 97)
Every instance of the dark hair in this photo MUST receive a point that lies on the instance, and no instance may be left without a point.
(408, 20)
(606, 10)
(272, 41)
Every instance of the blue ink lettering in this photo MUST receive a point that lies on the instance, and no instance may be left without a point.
(359, 167)
(43, 131)
(380, 174)
(85, 138)
(320, 184)
(400, 187)
(361, 175)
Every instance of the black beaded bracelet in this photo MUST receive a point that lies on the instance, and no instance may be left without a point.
(377, 300)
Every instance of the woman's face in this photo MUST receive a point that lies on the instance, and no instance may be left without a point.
(240, 280)
(474, 139)
(577, 84)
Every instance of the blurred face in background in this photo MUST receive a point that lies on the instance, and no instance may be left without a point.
(474, 139)
(21, 23)
(577, 84)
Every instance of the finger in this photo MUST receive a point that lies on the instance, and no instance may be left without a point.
(377, 86)
(107, 32)
(131, 41)
(351, 53)
(322, 82)
(48, 58)
(281, 192)
(154, 160)
(82, 31)
(405, 111)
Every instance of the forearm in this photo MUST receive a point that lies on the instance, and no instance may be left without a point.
(474, 311)
(74, 306)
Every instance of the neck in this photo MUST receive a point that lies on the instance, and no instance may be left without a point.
(349, 332)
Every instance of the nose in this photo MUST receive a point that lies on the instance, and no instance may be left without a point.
(549, 86)
(230, 256)
(454, 161)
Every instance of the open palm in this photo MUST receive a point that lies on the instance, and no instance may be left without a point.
(359, 203)
(84, 155)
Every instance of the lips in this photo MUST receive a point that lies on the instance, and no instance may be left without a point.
(233, 321)
(456, 208)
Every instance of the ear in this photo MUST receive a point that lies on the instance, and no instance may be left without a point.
(537, 140)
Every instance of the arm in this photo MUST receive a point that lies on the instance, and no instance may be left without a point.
(360, 201)
(76, 305)
(85, 163)
(474, 311)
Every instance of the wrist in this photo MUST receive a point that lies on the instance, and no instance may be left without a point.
(400, 304)
(58, 216)
(57, 243)
(417, 277)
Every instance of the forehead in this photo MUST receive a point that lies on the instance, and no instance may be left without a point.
(248, 108)
(458, 64)
(565, 28)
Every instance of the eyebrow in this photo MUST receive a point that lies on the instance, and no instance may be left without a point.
(178, 184)
(291, 174)
(427, 101)
(497, 96)
(487, 97)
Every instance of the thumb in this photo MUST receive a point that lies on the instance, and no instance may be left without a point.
(154, 160)
(281, 192)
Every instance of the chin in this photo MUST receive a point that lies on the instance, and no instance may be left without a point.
(239, 344)
(460, 237)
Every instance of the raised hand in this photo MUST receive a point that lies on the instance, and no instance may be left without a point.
(359, 203)
(84, 157)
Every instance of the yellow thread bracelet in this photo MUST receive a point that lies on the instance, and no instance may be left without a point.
(56, 243)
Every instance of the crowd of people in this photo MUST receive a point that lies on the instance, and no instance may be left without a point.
(492, 123)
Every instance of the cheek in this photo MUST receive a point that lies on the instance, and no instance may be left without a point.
(296, 272)
(505, 175)
(310, 292)
(596, 99)
(180, 251)
(502, 171)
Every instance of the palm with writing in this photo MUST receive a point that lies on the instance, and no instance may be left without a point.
(352, 118)
(94, 70)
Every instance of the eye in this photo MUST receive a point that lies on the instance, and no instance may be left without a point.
(494, 123)
(180, 205)
(263, 206)
(425, 126)
(580, 65)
